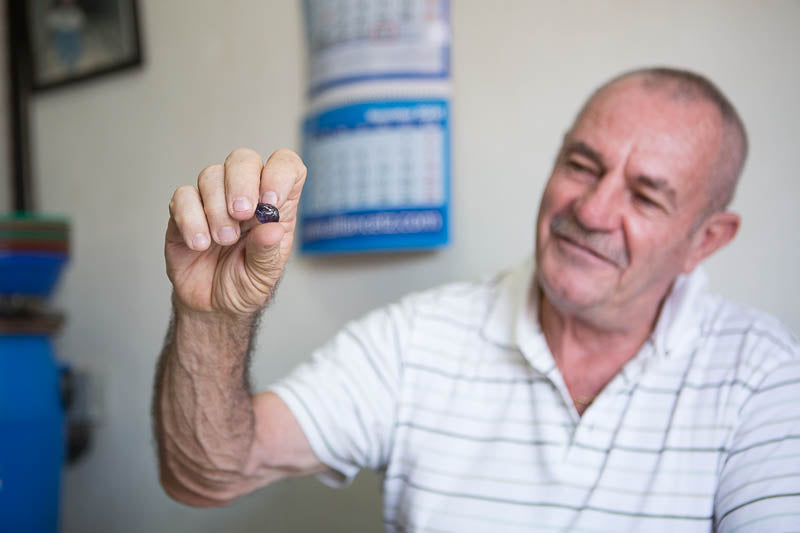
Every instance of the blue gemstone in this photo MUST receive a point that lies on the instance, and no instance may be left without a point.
(267, 213)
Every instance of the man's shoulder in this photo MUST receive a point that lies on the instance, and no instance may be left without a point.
(459, 298)
(726, 317)
(755, 336)
(461, 304)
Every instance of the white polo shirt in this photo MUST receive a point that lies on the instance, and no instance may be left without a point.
(453, 395)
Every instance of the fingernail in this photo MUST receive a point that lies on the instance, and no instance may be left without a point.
(241, 204)
(227, 234)
(200, 240)
(269, 197)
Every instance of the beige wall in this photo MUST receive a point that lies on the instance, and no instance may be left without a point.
(224, 74)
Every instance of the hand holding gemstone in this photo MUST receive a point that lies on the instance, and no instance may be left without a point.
(219, 258)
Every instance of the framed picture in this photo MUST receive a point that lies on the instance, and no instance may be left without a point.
(72, 40)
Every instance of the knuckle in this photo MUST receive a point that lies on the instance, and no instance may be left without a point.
(240, 154)
(287, 155)
(180, 205)
(293, 159)
(177, 196)
(183, 191)
(215, 214)
(208, 175)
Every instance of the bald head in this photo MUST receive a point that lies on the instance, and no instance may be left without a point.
(685, 86)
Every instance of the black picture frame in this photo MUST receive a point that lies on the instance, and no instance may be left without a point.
(70, 41)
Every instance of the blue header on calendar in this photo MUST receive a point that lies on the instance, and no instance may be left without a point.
(385, 114)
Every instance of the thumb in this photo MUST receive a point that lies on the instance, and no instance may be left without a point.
(264, 252)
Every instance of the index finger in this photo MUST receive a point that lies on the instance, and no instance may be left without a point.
(282, 180)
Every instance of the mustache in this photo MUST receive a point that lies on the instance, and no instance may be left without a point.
(566, 226)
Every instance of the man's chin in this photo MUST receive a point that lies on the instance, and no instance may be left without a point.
(570, 291)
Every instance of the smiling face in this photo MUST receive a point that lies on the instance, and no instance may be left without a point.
(619, 217)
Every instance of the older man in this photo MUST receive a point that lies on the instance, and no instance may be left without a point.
(600, 387)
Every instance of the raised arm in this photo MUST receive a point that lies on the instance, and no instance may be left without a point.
(216, 441)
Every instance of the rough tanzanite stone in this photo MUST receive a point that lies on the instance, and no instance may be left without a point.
(267, 213)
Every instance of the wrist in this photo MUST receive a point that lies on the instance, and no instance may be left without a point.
(213, 318)
(209, 341)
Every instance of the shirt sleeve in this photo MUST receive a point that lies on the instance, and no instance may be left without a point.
(759, 485)
(345, 398)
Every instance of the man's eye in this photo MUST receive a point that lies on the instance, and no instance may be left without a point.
(645, 200)
(574, 165)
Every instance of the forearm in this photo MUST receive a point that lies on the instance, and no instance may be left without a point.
(202, 407)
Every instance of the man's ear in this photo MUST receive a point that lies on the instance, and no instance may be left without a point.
(715, 232)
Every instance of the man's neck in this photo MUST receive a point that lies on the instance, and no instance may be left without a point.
(569, 333)
(589, 354)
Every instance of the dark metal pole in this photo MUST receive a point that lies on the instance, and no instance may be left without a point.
(19, 100)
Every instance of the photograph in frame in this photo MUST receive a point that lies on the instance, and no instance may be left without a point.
(72, 40)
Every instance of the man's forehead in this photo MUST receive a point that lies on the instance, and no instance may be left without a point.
(630, 102)
(627, 119)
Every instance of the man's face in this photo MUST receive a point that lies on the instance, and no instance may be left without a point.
(629, 185)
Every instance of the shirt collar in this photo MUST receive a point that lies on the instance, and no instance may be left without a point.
(513, 319)
(680, 318)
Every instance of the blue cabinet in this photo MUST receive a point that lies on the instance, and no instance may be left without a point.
(31, 434)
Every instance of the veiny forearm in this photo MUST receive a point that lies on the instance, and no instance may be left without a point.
(202, 407)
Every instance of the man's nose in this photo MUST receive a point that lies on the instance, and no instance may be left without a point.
(600, 207)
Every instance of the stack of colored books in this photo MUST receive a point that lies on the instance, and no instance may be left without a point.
(33, 251)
